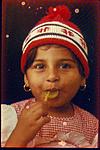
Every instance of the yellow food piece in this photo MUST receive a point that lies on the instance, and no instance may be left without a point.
(51, 95)
(46, 95)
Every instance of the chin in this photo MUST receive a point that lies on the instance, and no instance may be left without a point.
(55, 104)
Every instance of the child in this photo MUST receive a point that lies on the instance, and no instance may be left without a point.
(55, 67)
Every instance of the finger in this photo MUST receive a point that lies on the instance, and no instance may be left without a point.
(39, 113)
(34, 106)
(42, 121)
(30, 105)
(45, 105)
(39, 108)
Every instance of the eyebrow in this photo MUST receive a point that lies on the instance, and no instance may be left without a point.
(64, 59)
(39, 59)
(69, 59)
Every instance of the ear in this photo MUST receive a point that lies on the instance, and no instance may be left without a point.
(83, 81)
(26, 80)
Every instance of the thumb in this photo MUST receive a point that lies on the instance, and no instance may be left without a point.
(43, 120)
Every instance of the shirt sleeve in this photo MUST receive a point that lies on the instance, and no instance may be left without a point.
(8, 122)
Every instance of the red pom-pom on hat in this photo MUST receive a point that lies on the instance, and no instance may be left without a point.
(62, 11)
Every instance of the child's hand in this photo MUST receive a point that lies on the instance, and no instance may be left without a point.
(29, 123)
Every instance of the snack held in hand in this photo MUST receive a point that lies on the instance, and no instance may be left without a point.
(50, 95)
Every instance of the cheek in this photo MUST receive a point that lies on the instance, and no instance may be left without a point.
(70, 89)
(72, 83)
(34, 79)
(35, 83)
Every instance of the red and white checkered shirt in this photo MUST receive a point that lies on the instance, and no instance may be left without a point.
(82, 122)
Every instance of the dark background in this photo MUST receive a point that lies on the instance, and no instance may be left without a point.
(18, 19)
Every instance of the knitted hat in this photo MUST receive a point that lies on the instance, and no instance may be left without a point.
(55, 28)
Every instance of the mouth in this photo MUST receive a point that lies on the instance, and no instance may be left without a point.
(51, 94)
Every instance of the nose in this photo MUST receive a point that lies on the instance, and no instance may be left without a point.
(53, 76)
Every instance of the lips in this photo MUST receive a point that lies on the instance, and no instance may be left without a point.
(52, 89)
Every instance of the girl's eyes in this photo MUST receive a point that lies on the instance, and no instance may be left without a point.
(65, 66)
(41, 67)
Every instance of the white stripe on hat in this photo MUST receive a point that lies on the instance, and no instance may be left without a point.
(53, 28)
(57, 23)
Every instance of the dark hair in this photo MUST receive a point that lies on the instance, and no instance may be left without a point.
(79, 64)
(30, 58)
(32, 54)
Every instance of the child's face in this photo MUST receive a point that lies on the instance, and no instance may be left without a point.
(54, 69)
